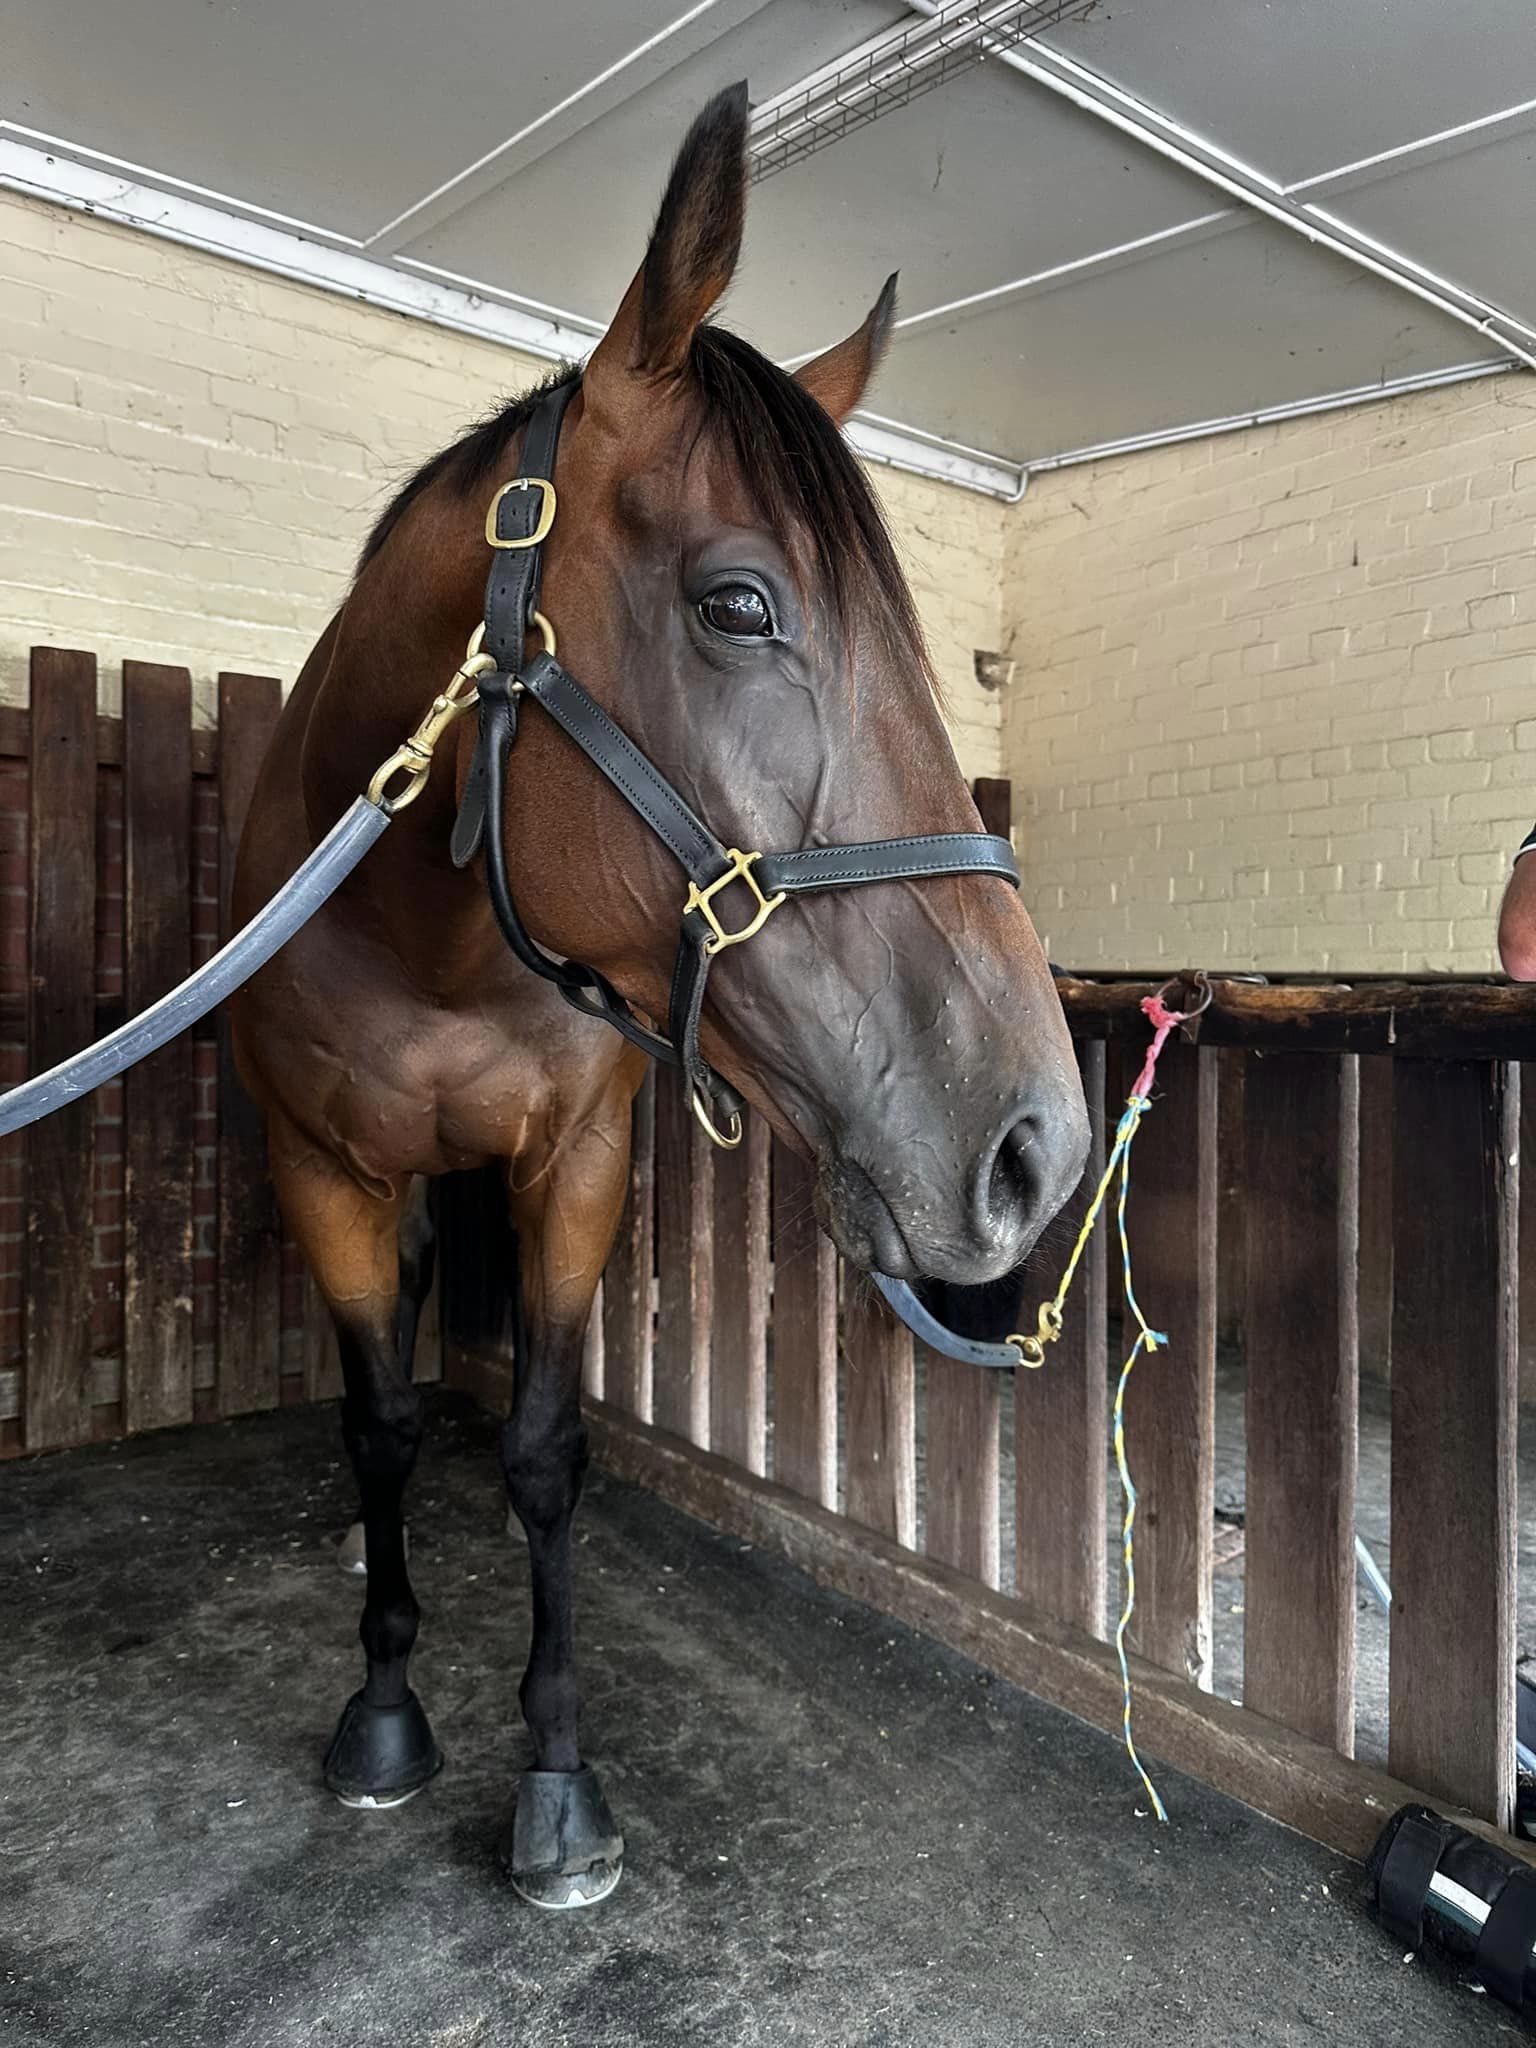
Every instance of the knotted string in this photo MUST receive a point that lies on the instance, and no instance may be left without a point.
(1138, 1102)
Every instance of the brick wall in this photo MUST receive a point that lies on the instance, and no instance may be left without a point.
(191, 453)
(1275, 703)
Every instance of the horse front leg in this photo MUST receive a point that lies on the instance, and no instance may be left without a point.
(383, 1750)
(566, 1848)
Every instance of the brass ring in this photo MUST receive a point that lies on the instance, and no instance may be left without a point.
(727, 1140)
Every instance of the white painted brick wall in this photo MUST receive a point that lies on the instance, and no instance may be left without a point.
(1275, 704)
(191, 454)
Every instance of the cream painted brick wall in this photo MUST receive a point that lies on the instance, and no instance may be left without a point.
(1275, 704)
(191, 454)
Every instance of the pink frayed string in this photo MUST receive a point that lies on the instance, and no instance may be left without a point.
(1162, 1020)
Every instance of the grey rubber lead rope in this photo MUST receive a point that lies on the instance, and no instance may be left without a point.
(967, 1350)
(271, 928)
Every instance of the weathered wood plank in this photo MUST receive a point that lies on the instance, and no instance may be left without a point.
(1526, 1290)
(1410, 1020)
(1231, 1196)
(1170, 1408)
(1301, 1783)
(628, 1350)
(960, 1466)
(804, 1335)
(158, 1093)
(250, 1237)
(16, 739)
(881, 1416)
(685, 1261)
(1455, 1190)
(738, 1373)
(1061, 1412)
(1303, 1129)
(1375, 1291)
(61, 1150)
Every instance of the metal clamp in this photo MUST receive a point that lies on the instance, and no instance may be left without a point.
(740, 870)
(414, 759)
(1047, 1330)
(546, 513)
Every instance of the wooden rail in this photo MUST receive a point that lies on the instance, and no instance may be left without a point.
(144, 1280)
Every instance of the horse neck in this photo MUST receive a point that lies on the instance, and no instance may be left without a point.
(396, 643)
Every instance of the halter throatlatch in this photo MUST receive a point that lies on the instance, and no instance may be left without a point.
(517, 524)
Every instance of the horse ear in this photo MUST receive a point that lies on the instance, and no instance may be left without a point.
(837, 379)
(692, 253)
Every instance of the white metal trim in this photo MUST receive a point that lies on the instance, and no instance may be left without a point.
(463, 307)
(1271, 415)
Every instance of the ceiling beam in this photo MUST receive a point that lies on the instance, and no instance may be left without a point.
(1424, 149)
(1110, 103)
(694, 29)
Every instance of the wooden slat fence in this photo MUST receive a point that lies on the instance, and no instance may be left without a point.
(144, 1279)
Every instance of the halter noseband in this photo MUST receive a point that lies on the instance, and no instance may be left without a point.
(517, 525)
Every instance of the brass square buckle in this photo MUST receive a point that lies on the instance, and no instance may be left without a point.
(740, 870)
(546, 512)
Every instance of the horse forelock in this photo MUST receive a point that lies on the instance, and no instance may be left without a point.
(792, 458)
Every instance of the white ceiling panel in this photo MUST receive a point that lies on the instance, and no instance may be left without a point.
(989, 180)
(571, 229)
(335, 112)
(1301, 86)
(1468, 216)
(1245, 320)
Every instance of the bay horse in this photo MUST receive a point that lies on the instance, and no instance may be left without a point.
(723, 584)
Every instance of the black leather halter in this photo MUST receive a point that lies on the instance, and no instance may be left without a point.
(516, 526)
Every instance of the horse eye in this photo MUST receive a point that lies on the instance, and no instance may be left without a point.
(738, 611)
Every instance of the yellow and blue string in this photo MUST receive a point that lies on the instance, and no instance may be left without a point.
(1147, 1339)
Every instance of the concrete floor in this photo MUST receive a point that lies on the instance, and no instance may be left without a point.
(838, 1834)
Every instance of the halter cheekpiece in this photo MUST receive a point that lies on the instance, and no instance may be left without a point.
(517, 524)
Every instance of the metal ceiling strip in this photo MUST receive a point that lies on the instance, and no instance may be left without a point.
(1105, 101)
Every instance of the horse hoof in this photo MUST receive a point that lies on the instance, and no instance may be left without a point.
(553, 1893)
(352, 1551)
(381, 1756)
(567, 1851)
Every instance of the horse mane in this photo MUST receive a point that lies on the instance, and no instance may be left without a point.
(802, 473)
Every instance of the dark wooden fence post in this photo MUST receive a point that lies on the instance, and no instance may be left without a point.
(1061, 1412)
(61, 1017)
(804, 1336)
(882, 1432)
(1456, 1184)
(1170, 1406)
(738, 1373)
(685, 1222)
(250, 1236)
(1303, 1130)
(158, 1094)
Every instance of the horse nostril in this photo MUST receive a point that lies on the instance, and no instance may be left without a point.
(1014, 1182)
(1038, 1162)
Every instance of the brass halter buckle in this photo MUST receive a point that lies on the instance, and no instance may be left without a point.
(546, 513)
(740, 870)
